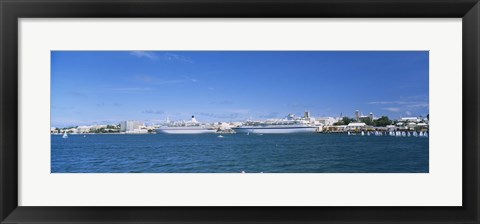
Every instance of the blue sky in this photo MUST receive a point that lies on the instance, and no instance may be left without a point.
(99, 87)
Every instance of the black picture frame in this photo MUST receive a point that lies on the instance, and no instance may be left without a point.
(12, 10)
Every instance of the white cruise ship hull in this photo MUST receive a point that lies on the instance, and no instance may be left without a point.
(274, 130)
(185, 130)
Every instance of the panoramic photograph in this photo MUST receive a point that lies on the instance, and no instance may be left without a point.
(239, 112)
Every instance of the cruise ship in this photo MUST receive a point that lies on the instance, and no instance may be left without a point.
(279, 126)
(186, 127)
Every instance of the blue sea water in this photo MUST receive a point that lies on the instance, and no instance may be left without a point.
(206, 153)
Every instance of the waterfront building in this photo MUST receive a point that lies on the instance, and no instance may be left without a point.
(83, 129)
(391, 127)
(356, 126)
(326, 120)
(411, 125)
(130, 126)
(334, 128)
(54, 130)
(422, 126)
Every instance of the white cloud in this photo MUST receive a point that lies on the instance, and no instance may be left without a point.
(407, 104)
(176, 57)
(154, 80)
(403, 103)
(162, 56)
(130, 89)
(392, 109)
(239, 111)
(219, 116)
(152, 112)
(142, 54)
(270, 115)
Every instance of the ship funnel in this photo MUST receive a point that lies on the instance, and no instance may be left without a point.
(194, 120)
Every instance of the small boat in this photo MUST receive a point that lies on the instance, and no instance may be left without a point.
(65, 135)
(363, 133)
(220, 136)
(425, 135)
(348, 133)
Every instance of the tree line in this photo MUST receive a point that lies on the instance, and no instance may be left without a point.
(380, 122)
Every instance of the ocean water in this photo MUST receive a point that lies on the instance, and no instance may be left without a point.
(207, 153)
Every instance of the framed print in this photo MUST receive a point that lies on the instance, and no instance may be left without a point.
(246, 112)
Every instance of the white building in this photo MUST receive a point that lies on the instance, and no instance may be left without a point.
(356, 125)
(422, 125)
(53, 130)
(411, 125)
(83, 129)
(130, 126)
(391, 127)
(407, 119)
(326, 120)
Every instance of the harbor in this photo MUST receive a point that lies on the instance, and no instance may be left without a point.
(246, 111)
(293, 144)
(359, 125)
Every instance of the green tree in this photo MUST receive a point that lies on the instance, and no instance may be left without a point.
(111, 127)
(344, 121)
(382, 121)
(347, 120)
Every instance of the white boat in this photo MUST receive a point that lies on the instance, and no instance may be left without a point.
(278, 126)
(186, 127)
(65, 135)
